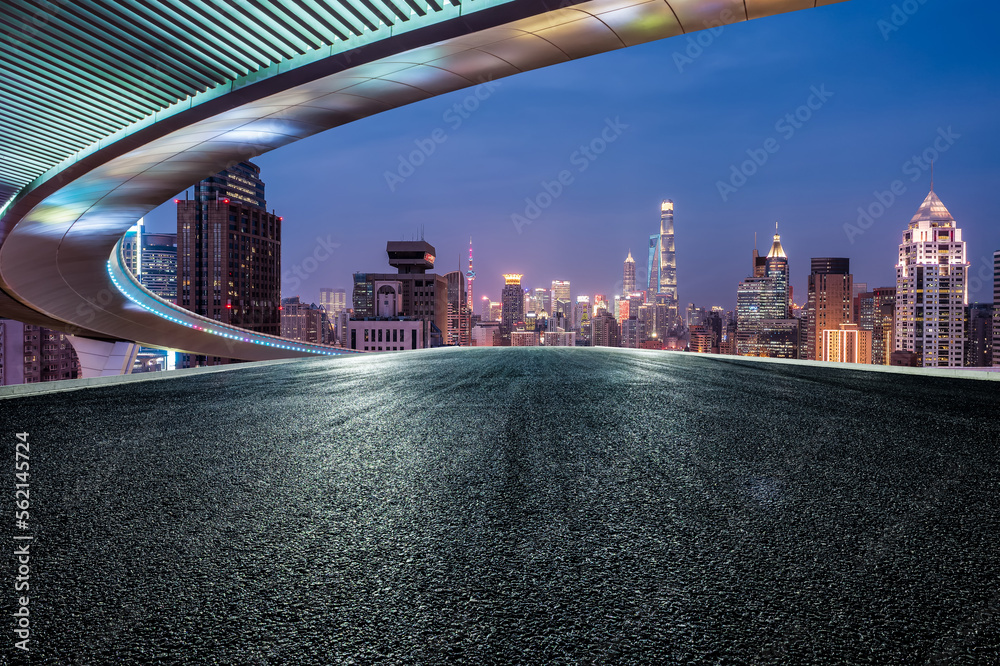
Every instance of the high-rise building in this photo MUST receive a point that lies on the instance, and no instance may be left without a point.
(538, 301)
(511, 305)
(333, 302)
(830, 300)
(779, 338)
(581, 318)
(423, 295)
(485, 311)
(857, 290)
(562, 308)
(776, 268)
(459, 315)
(628, 279)
(880, 321)
(653, 266)
(159, 264)
(764, 297)
(229, 254)
(932, 288)
(605, 331)
(846, 344)
(630, 333)
(979, 337)
(996, 308)
(666, 293)
(304, 321)
(30, 354)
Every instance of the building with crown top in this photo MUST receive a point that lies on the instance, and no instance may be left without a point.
(932, 288)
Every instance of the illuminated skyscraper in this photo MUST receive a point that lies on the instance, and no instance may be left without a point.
(666, 293)
(229, 254)
(932, 288)
(561, 306)
(511, 304)
(628, 281)
(653, 267)
(776, 268)
(996, 308)
(764, 297)
(830, 300)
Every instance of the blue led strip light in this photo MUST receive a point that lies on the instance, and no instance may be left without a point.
(210, 326)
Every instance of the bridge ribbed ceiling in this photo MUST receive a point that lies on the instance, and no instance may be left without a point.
(74, 72)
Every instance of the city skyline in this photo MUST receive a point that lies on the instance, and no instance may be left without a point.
(723, 104)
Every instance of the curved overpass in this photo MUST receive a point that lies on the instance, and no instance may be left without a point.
(263, 75)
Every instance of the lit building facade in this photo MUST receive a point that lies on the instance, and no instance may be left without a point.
(932, 288)
(882, 324)
(846, 344)
(304, 321)
(605, 331)
(628, 277)
(511, 304)
(979, 336)
(561, 308)
(424, 295)
(830, 300)
(996, 308)
(229, 255)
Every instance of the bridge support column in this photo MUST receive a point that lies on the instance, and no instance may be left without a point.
(99, 358)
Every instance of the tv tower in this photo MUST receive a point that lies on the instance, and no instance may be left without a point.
(470, 274)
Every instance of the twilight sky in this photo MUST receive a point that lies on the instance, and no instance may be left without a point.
(680, 120)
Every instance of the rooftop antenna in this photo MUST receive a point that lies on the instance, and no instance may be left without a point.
(932, 175)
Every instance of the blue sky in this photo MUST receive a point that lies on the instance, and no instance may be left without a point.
(681, 124)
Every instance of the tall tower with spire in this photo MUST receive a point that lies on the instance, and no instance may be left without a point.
(470, 274)
(628, 281)
(667, 291)
(932, 287)
(776, 268)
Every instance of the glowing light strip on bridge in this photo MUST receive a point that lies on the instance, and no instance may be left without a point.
(165, 309)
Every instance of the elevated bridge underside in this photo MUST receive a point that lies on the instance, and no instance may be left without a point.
(113, 108)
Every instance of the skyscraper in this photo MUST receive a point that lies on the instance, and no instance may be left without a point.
(561, 306)
(628, 280)
(763, 306)
(459, 315)
(333, 301)
(159, 264)
(996, 308)
(776, 268)
(667, 291)
(830, 300)
(511, 305)
(229, 254)
(884, 325)
(653, 267)
(932, 288)
(979, 336)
